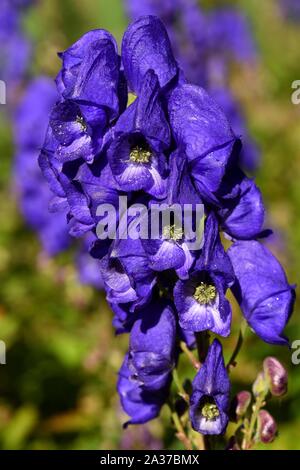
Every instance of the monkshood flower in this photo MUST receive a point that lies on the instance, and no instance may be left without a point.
(204, 134)
(127, 277)
(202, 39)
(145, 375)
(262, 290)
(30, 124)
(172, 145)
(200, 300)
(92, 93)
(142, 133)
(210, 397)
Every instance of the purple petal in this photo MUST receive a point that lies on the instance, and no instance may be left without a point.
(262, 290)
(146, 46)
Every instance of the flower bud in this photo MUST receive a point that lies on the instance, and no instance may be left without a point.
(260, 386)
(276, 376)
(243, 400)
(267, 427)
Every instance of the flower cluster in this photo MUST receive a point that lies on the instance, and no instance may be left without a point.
(205, 43)
(169, 142)
(30, 121)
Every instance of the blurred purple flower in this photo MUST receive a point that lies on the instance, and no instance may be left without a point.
(15, 47)
(30, 123)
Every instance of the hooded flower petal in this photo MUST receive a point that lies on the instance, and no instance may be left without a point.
(262, 290)
(201, 128)
(149, 362)
(138, 403)
(146, 46)
(90, 73)
(142, 134)
(242, 217)
(210, 397)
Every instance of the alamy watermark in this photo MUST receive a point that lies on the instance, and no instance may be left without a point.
(295, 98)
(2, 92)
(2, 353)
(296, 354)
(171, 222)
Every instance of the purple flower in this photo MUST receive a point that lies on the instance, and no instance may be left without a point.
(200, 300)
(241, 210)
(92, 94)
(146, 46)
(201, 40)
(90, 75)
(262, 290)
(145, 375)
(203, 133)
(127, 277)
(210, 398)
(142, 134)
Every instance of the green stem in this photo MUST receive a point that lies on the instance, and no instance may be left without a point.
(190, 355)
(248, 438)
(180, 434)
(179, 386)
(239, 344)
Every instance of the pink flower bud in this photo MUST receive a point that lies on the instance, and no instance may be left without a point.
(267, 427)
(243, 400)
(276, 376)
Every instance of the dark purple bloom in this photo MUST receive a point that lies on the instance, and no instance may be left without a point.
(146, 372)
(201, 40)
(200, 300)
(262, 290)
(146, 46)
(127, 277)
(203, 133)
(229, 33)
(210, 398)
(142, 134)
(241, 210)
(90, 75)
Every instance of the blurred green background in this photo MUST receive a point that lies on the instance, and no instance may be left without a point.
(57, 390)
